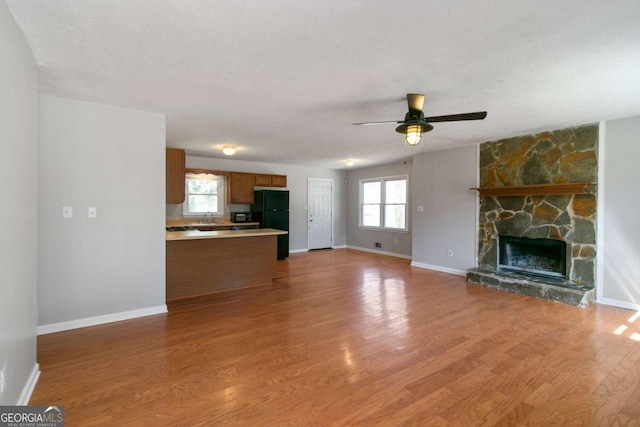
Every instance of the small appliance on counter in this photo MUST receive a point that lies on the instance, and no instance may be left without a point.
(271, 210)
(240, 217)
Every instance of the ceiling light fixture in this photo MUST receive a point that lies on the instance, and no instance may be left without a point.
(348, 162)
(413, 132)
(413, 135)
(415, 123)
(229, 150)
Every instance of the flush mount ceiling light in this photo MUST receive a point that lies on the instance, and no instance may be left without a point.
(415, 123)
(348, 162)
(229, 150)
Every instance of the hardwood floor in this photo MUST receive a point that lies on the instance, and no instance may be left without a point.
(351, 338)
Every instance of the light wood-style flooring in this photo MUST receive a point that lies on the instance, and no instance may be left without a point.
(351, 338)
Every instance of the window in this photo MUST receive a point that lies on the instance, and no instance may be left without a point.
(383, 203)
(204, 193)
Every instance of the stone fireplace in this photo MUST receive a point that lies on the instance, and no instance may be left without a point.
(538, 194)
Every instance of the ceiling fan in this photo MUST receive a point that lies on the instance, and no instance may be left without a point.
(415, 123)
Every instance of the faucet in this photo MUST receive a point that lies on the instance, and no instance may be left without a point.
(204, 217)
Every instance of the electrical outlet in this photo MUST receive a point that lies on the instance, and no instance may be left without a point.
(450, 252)
(420, 208)
(378, 245)
(67, 212)
(395, 241)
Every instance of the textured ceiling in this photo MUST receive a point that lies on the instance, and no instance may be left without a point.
(284, 79)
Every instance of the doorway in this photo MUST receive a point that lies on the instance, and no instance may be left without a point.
(320, 213)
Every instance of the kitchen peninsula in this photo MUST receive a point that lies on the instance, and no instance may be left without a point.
(205, 262)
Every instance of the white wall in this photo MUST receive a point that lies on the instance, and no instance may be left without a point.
(297, 179)
(18, 223)
(619, 225)
(398, 243)
(111, 158)
(441, 184)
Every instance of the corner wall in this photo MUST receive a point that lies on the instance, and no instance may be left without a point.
(95, 270)
(441, 185)
(18, 220)
(620, 221)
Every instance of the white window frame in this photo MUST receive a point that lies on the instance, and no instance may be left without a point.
(221, 194)
(382, 181)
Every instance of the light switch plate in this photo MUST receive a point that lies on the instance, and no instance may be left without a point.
(93, 212)
(67, 212)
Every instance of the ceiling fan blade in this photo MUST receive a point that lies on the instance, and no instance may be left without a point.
(376, 123)
(415, 101)
(480, 115)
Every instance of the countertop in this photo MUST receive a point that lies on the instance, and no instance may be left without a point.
(222, 234)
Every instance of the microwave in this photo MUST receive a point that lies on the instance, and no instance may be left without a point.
(240, 216)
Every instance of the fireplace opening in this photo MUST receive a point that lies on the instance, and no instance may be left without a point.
(546, 257)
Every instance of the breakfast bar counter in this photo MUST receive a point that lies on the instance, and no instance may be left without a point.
(206, 262)
(221, 234)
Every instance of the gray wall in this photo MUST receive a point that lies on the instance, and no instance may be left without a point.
(619, 227)
(297, 180)
(111, 158)
(441, 183)
(393, 242)
(18, 223)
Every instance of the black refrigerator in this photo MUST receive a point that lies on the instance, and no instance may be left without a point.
(271, 209)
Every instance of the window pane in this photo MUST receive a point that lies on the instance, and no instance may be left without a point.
(394, 216)
(203, 203)
(371, 215)
(202, 186)
(371, 192)
(396, 191)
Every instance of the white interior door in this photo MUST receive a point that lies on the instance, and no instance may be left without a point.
(320, 213)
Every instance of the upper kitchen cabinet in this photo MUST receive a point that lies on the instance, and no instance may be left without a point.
(240, 188)
(264, 180)
(175, 175)
(278, 180)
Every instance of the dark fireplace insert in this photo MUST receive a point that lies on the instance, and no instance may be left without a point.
(545, 257)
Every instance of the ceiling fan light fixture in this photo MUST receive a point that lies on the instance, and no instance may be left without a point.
(229, 150)
(413, 135)
(415, 123)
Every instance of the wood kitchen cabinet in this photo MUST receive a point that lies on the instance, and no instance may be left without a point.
(264, 180)
(278, 180)
(175, 159)
(240, 188)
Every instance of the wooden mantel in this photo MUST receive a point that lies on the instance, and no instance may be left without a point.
(537, 190)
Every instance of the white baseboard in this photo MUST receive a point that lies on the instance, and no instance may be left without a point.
(298, 251)
(439, 268)
(618, 303)
(99, 320)
(28, 388)
(375, 251)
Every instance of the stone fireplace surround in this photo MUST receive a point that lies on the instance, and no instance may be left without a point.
(528, 167)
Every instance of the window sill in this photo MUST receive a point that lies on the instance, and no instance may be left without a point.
(200, 215)
(391, 230)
